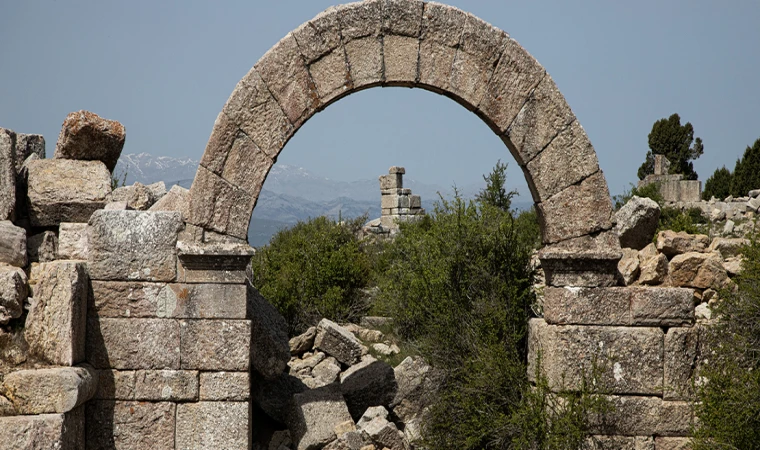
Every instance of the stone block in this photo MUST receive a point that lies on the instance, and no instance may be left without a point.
(331, 76)
(628, 266)
(216, 344)
(391, 181)
(303, 342)
(368, 383)
(270, 347)
(728, 247)
(12, 244)
(130, 425)
(55, 325)
(671, 243)
(44, 431)
(338, 342)
(361, 19)
(317, 413)
(117, 206)
(602, 442)
(73, 241)
(115, 385)
(681, 362)
(166, 385)
(42, 247)
(628, 416)
(136, 196)
(225, 386)
(88, 137)
(13, 293)
(590, 212)
(628, 360)
(206, 425)
(676, 419)
(365, 61)
(220, 276)
(389, 201)
(246, 166)
(672, 443)
(275, 397)
(587, 261)
(133, 245)
(217, 205)
(7, 174)
(663, 307)
(699, 270)
(27, 145)
(65, 190)
(415, 201)
(441, 32)
(401, 58)
(653, 266)
(636, 222)
(133, 343)
(45, 391)
(175, 200)
(319, 36)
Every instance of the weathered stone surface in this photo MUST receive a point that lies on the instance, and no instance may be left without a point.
(365, 61)
(175, 200)
(338, 342)
(417, 383)
(216, 344)
(699, 270)
(361, 19)
(303, 342)
(671, 243)
(133, 343)
(45, 431)
(653, 266)
(560, 221)
(661, 307)
(73, 241)
(681, 361)
(672, 443)
(316, 414)
(130, 425)
(86, 136)
(636, 222)
(728, 247)
(324, 373)
(55, 325)
(602, 442)
(275, 397)
(676, 419)
(247, 166)
(42, 247)
(13, 293)
(368, 383)
(384, 433)
(115, 384)
(7, 174)
(206, 425)
(12, 244)
(27, 145)
(225, 386)
(137, 196)
(232, 206)
(117, 206)
(331, 76)
(588, 261)
(628, 267)
(133, 245)
(54, 390)
(630, 360)
(166, 385)
(441, 32)
(65, 190)
(401, 57)
(158, 189)
(319, 36)
(270, 351)
(629, 416)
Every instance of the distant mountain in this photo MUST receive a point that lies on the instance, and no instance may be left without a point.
(146, 169)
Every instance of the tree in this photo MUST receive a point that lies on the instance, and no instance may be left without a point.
(668, 137)
(718, 185)
(747, 171)
(494, 193)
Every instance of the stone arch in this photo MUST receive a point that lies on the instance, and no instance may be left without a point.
(431, 46)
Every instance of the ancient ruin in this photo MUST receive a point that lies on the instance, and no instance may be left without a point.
(137, 329)
(673, 187)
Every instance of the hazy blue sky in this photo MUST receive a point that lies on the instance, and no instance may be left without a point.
(164, 69)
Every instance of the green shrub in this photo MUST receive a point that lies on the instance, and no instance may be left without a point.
(728, 401)
(675, 219)
(718, 185)
(651, 190)
(314, 269)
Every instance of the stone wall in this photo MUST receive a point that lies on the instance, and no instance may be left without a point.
(672, 186)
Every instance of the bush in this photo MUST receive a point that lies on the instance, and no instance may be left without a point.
(718, 185)
(314, 269)
(728, 402)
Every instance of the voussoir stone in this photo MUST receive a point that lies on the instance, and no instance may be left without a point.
(66, 191)
(671, 243)
(86, 136)
(13, 293)
(217, 205)
(7, 174)
(133, 245)
(441, 32)
(53, 390)
(338, 342)
(12, 244)
(636, 222)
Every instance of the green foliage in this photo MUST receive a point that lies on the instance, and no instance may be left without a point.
(718, 185)
(651, 190)
(746, 175)
(728, 403)
(668, 137)
(314, 269)
(495, 194)
(675, 219)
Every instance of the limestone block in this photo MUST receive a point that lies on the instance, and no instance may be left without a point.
(133, 343)
(319, 36)
(441, 32)
(158, 189)
(676, 419)
(206, 425)
(331, 76)
(27, 145)
(681, 362)
(216, 344)
(73, 241)
(55, 325)
(7, 174)
(540, 119)
(733, 265)
(270, 348)
(117, 206)
(166, 385)
(653, 266)
(225, 386)
(338, 342)
(588, 261)
(416, 383)
(12, 244)
(699, 270)
(477, 56)
(42, 247)
(628, 267)
(671, 243)
(568, 159)
(672, 443)
(391, 181)
(88, 137)
(365, 61)
(661, 307)
(137, 196)
(54, 390)
(65, 190)
(133, 245)
(590, 212)
(636, 222)
(13, 293)
(402, 17)
(283, 70)
(629, 360)
(130, 425)
(246, 166)
(368, 383)
(316, 414)
(115, 384)
(401, 58)
(728, 247)
(303, 342)
(44, 431)
(384, 434)
(361, 19)
(389, 201)
(175, 200)
(628, 416)
(217, 205)
(326, 372)
(252, 109)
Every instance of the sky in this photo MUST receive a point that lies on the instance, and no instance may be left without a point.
(165, 69)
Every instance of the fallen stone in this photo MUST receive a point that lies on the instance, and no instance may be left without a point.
(13, 293)
(671, 243)
(653, 266)
(55, 325)
(338, 342)
(628, 266)
(280, 439)
(88, 137)
(728, 228)
(27, 145)
(65, 191)
(728, 247)
(698, 270)
(73, 241)
(176, 199)
(138, 196)
(305, 364)
(42, 247)
(703, 312)
(417, 383)
(270, 351)
(317, 413)
(12, 244)
(326, 372)
(385, 349)
(7, 174)
(384, 434)
(753, 204)
(636, 222)
(303, 342)
(133, 245)
(158, 190)
(55, 390)
(733, 265)
(44, 431)
(368, 383)
(370, 414)
(717, 215)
